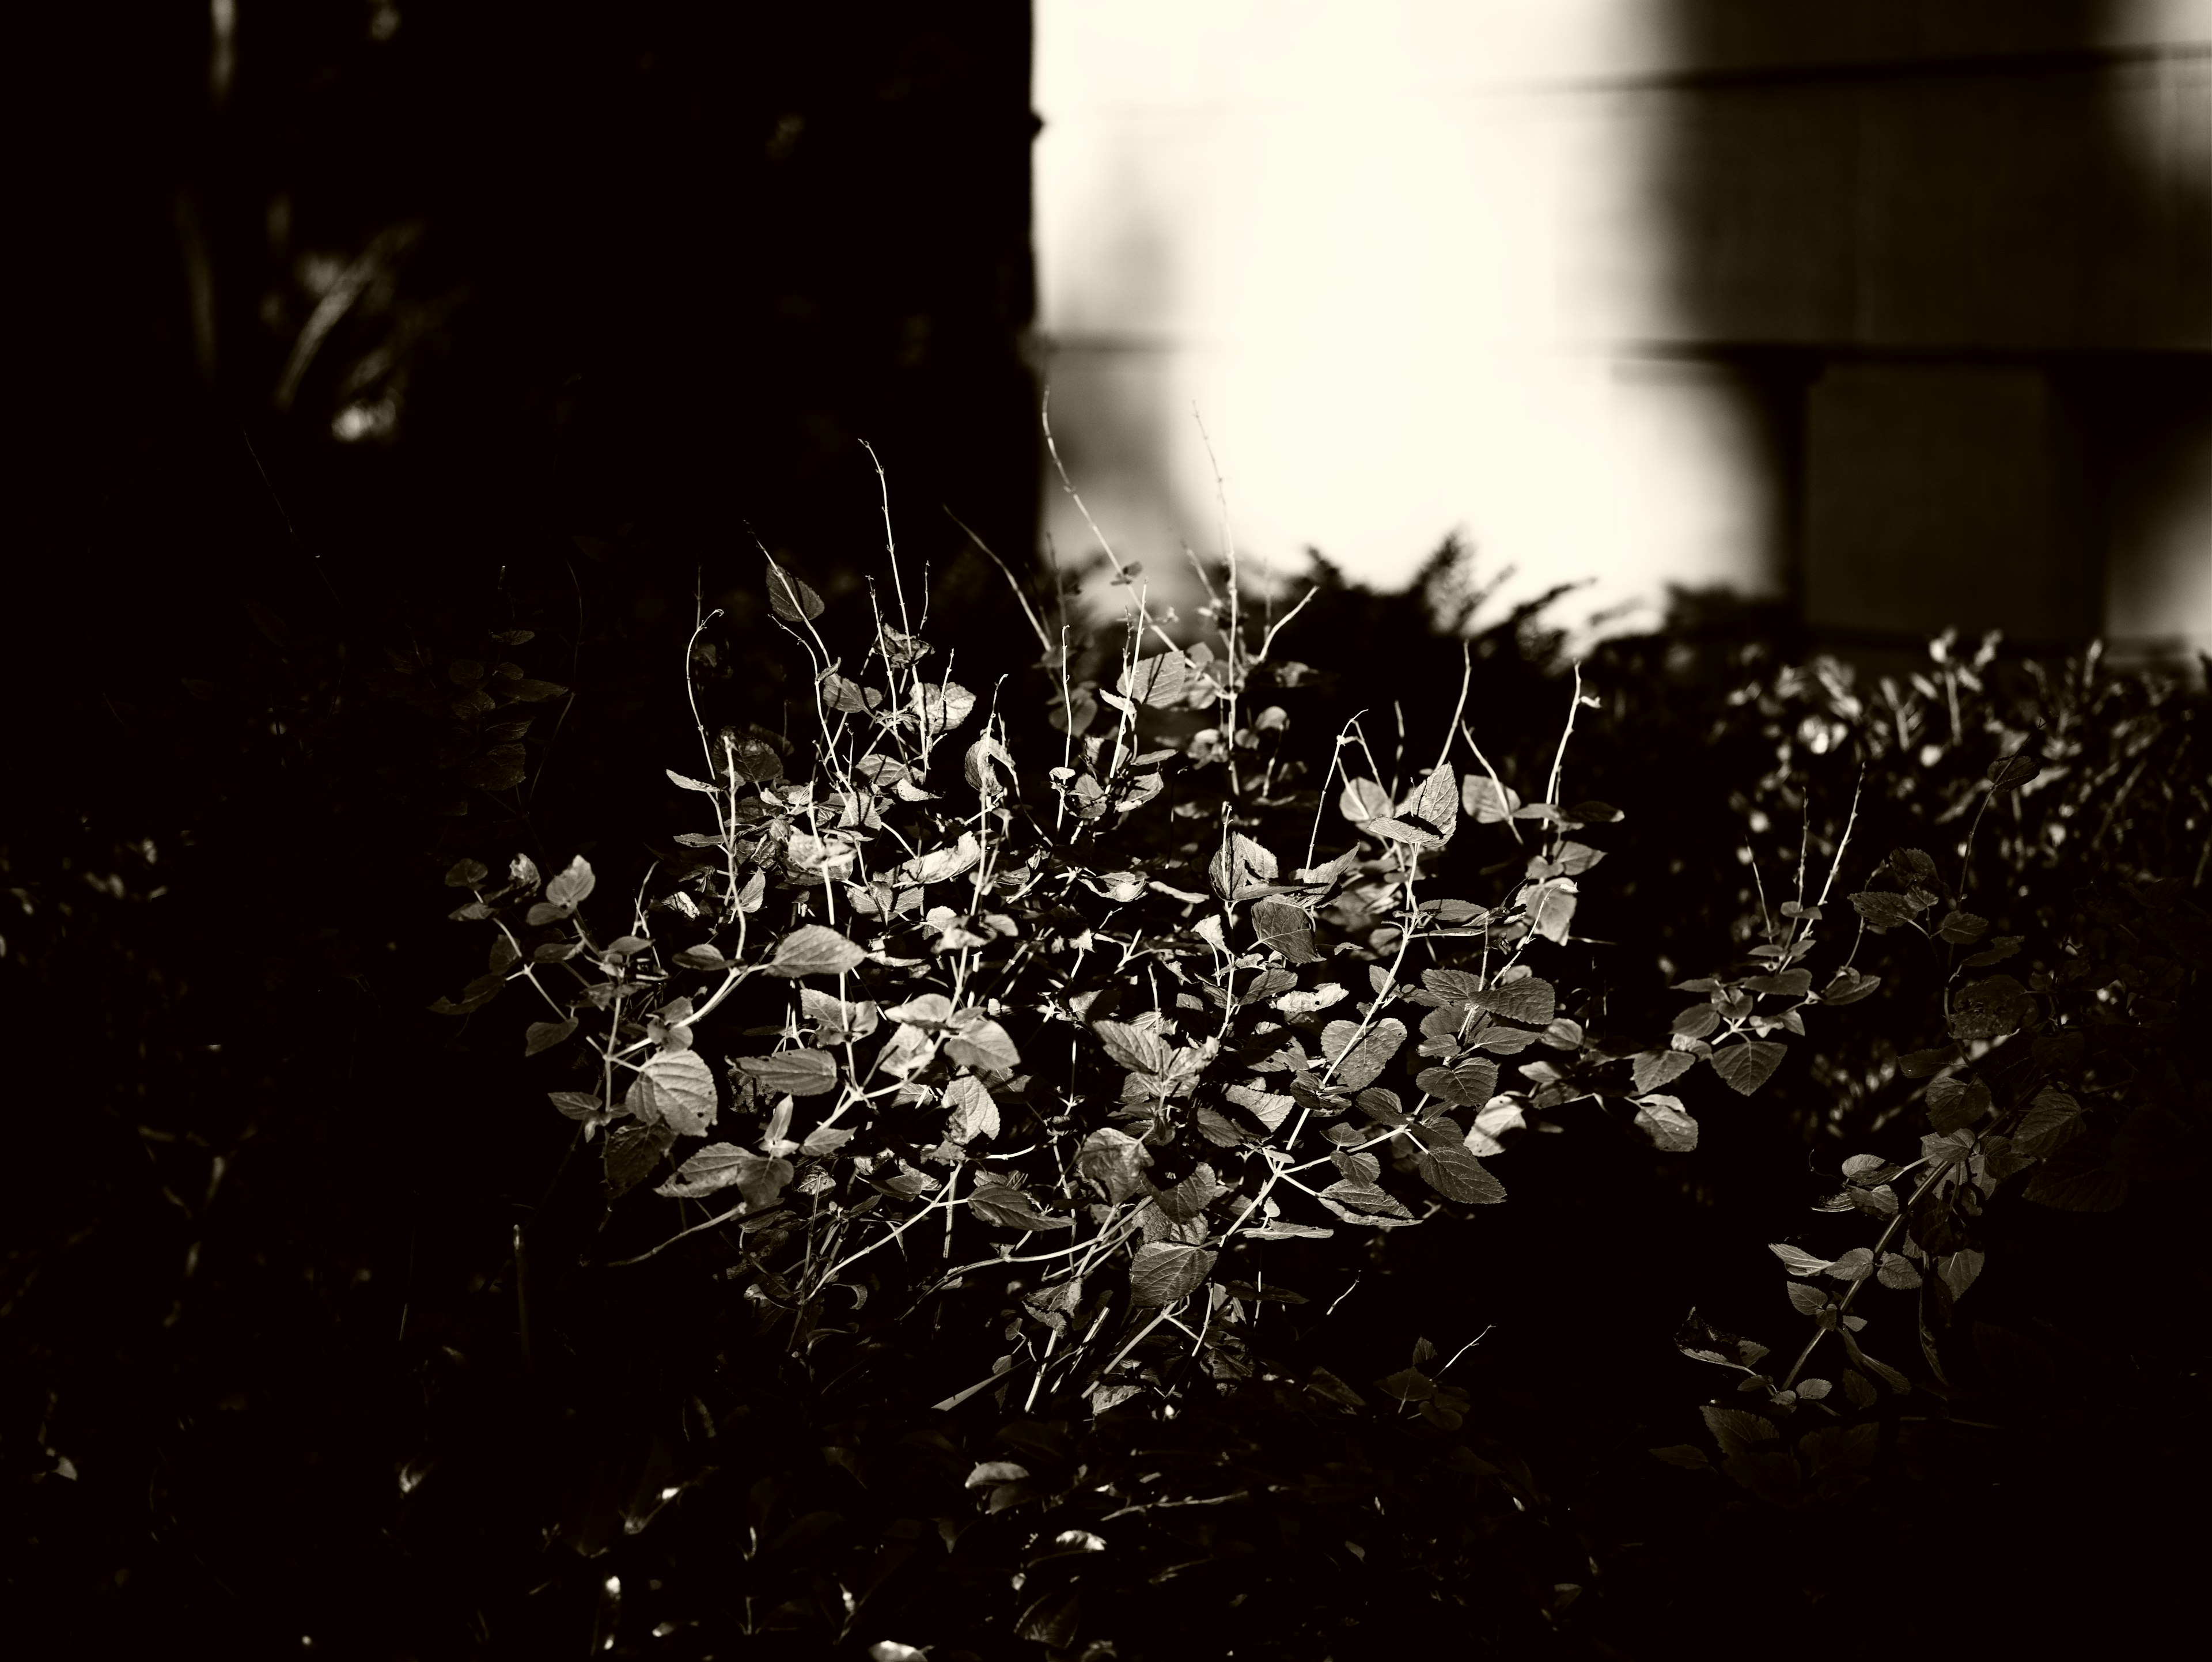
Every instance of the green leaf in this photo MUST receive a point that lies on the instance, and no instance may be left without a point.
(1688, 1456)
(577, 1104)
(2068, 1181)
(1738, 1431)
(632, 1152)
(1784, 984)
(1954, 1104)
(1001, 1203)
(1698, 1021)
(1667, 1123)
(814, 949)
(990, 1473)
(1551, 908)
(570, 889)
(976, 1041)
(2010, 772)
(1747, 1066)
(1806, 1300)
(1447, 1166)
(701, 956)
(973, 1112)
(1162, 681)
(682, 1090)
(1883, 909)
(1363, 801)
(941, 706)
(1408, 1384)
(1138, 1049)
(1489, 801)
(1701, 1340)
(1270, 1108)
(545, 1035)
(847, 696)
(791, 599)
(1854, 1266)
(760, 1178)
(1797, 1261)
(1115, 1161)
(1897, 1272)
(1990, 1008)
(1437, 803)
(1404, 830)
(2052, 1120)
(1919, 1064)
(1961, 928)
(531, 691)
(1849, 987)
(1286, 929)
(1531, 1000)
(792, 1072)
(1960, 1269)
(1358, 1064)
(1576, 858)
(467, 875)
(1168, 1272)
(1357, 1203)
(1468, 1084)
(1452, 986)
(2000, 948)
(1650, 1069)
(1191, 1196)
(1378, 1104)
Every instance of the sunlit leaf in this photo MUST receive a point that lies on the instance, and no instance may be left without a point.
(1286, 929)
(792, 1072)
(973, 1113)
(570, 888)
(1467, 1084)
(1797, 1260)
(814, 949)
(1447, 1167)
(1363, 801)
(1490, 802)
(1747, 1066)
(683, 1091)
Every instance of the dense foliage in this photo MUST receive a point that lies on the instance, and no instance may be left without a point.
(1037, 1131)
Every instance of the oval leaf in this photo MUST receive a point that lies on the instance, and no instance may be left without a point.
(572, 887)
(1667, 1123)
(1287, 929)
(683, 1091)
(814, 949)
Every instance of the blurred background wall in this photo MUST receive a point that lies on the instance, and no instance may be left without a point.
(1900, 312)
